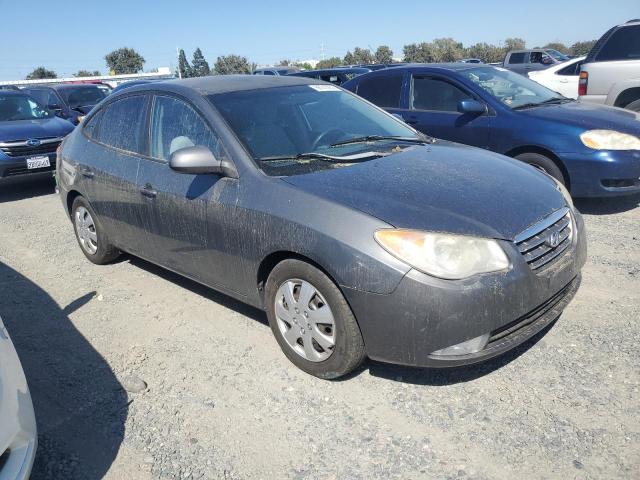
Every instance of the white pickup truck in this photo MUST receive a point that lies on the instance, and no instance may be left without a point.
(611, 72)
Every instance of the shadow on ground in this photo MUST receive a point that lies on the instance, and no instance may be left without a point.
(13, 189)
(607, 206)
(80, 405)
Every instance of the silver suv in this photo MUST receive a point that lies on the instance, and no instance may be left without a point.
(611, 72)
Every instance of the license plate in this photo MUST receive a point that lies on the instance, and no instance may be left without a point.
(38, 162)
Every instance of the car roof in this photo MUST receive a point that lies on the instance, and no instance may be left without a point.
(13, 93)
(333, 70)
(457, 66)
(215, 84)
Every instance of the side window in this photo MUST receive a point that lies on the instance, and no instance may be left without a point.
(624, 44)
(123, 124)
(515, 58)
(90, 128)
(54, 99)
(571, 70)
(175, 125)
(268, 72)
(435, 95)
(382, 90)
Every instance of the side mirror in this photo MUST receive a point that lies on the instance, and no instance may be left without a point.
(471, 106)
(195, 160)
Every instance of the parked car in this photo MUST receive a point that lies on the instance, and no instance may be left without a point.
(470, 60)
(336, 76)
(280, 70)
(593, 149)
(358, 235)
(611, 72)
(561, 78)
(9, 87)
(69, 101)
(29, 135)
(379, 66)
(525, 61)
(131, 83)
(18, 432)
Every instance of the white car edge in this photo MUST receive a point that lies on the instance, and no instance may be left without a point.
(567, 85)
(18, 432)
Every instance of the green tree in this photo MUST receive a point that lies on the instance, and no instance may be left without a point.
(329, 63)
(303, 65)
(561, 47)
(419, 53)
(284, 63)
(582, 48)
(383, 54)
(360, 56)
(447, 50)
(230, 64)
(184, 69)
(124, 60)
(199, 66)
(87, 73)
(40, 73)
(514, 44)
(486, 52)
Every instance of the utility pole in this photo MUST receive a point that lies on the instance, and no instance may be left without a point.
(322, 51)
(179, 70)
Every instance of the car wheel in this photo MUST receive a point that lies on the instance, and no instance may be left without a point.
(90, 235)
(312, 321)
(633, 106)
(543, 163)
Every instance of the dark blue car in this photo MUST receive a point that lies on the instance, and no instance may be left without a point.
(71, 101)
(337, 76)
(29, 135)
(594, 150)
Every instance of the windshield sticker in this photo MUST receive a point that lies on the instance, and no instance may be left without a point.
(325, 88)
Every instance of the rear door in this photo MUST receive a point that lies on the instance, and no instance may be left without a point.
(433, 109)
(384, 90)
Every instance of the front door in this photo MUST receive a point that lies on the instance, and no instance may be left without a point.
(433, 109)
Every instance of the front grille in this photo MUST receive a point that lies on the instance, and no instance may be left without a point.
(547, 240)
(19, 149)
(14, 171)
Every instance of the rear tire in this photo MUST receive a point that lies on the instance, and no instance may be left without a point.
(90, 234)
(543, 163)
(315, 327)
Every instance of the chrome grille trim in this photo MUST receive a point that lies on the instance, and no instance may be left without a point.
(545, 241)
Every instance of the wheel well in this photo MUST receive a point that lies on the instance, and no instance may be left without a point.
(271, 260)
(71, 196)
(628, 96)
(547, 153)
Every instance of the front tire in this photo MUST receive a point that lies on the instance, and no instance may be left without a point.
(90, 234)
(633, 106)
(543, 163)
(312, 321)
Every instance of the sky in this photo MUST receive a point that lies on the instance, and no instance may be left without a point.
(69, 35)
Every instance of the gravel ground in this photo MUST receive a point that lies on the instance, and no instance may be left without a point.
(138, 373)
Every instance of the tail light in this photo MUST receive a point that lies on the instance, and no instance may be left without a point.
(582, 83)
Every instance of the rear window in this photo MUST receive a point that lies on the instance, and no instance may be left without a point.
(122, 124)
(517, 57)
(382, 90)
(623, 44)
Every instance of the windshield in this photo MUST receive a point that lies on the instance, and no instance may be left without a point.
(21, 107)
(510, 88)
(557, 55)
(83, 96)
(308, 119)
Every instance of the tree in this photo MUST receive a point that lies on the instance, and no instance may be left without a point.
(561, 47)
(383, 54)
(447, 50)
(184, 69)
(486, 52)
(329, 63)
(514, 44)
(284, 63)
(87, 73)
(230, 64)
(40, 73)
(360, 56)
(418, 53)
(199, 66)
(124, 60)
(582, 48)
(303, 65)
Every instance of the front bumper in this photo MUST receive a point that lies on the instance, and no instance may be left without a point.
(603, 173)
(426, 314)
(18, 433)
(17, 166)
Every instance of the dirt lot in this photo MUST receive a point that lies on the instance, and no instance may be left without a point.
(221, 401)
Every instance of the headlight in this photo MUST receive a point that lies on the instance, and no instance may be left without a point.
(609, 140)
(443, 255)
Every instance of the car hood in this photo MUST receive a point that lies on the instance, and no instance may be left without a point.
(41, 128)
(588, 116)
(443, 187)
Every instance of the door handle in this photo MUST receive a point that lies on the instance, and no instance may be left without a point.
(87, 173)
(564, 80)
(148, 191)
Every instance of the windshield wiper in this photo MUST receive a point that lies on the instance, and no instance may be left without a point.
(377, 138)
(327, 158)
(550, 101)
(553, 100)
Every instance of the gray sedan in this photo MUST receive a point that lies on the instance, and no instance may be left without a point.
(358, 235)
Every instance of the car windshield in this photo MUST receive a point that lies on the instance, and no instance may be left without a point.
(304, 128)
(557, 55)
(512, 89)
(82, 96)
(21, 107)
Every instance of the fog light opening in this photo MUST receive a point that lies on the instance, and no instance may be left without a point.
(470, 346)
